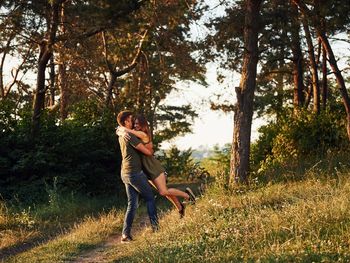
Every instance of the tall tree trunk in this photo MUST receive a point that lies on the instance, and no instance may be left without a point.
(112, 80)
(46, 47)
(4, 52)
(298, 93)
(339, 77)
(331, 58)
(63, 87)
(62, 71)
(313, 66)
(52, 82)
(2, 63)
(39, 95)
(240, 151)
(324, 79)
(279, 86)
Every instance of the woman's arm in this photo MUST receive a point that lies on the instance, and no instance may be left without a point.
(139, 134)
(149, 146)
(142, 148)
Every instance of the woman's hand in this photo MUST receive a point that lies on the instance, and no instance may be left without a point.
(121, 131)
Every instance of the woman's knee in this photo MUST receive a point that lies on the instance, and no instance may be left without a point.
(163, 192)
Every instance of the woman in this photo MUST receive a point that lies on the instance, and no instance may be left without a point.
(153, 168)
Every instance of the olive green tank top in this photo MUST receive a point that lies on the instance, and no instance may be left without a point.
(151, 166)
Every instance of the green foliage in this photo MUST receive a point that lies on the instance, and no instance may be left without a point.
(294, 138)
(173, 121)
(218, 165)
(220, 159)
(177, 163)
(80, 155)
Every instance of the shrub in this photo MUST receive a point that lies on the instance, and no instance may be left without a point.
(294, 137)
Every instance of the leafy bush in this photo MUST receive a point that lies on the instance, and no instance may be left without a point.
(294, 137)
(177, 163)
(82, 154)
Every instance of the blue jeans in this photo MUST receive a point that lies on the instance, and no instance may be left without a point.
(135, 185)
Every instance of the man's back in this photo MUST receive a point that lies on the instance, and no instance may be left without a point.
(131, 162)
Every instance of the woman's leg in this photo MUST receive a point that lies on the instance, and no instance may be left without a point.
(173, 199)
(160, 183)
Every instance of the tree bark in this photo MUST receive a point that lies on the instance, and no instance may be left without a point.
(113, 72)
(46, 47)
(52, 83)
(313, 66)
(338, 76)
(324, 79)
(62, 71)
(5, 52)
(239, 168)
(63, 87)
(39, 96)
(298, 93)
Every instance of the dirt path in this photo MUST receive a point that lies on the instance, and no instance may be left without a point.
(98, 255)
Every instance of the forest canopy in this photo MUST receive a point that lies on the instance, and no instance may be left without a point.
(78, 63)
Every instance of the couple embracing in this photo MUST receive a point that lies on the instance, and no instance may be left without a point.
(140, 170)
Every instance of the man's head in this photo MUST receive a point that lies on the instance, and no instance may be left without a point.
(124, 119)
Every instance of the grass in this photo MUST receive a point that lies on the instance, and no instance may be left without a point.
(85, 235)
(305, 220)
(24, 227)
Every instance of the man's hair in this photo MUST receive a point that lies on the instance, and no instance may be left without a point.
(122, 116)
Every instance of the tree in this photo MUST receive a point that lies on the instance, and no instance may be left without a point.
(331, 58)
(245, 95)
(41, 21)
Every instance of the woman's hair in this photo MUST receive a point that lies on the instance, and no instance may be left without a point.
(143, 124)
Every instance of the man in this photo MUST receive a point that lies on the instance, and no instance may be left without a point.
(134, 179)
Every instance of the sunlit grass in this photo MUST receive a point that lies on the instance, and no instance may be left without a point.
(23, 227)
(303, 221)
(87, 234)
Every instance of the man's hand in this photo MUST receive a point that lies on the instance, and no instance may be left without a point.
(120, 131)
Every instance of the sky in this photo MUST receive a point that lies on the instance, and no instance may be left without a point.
(210, 127)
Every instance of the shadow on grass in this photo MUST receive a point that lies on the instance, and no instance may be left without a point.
(54, 222)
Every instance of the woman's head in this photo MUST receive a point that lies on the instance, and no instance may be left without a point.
(141, 124)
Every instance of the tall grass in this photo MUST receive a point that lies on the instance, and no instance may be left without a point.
(303, 217)
(24, 226)
(303, 221)
(85, 235)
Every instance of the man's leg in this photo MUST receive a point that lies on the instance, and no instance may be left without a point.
(132, 196)
(140, 183)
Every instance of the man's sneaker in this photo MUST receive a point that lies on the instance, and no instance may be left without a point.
(126, 239)
(182, 211)
(191, 194)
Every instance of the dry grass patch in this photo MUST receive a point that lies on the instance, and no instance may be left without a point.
(86, 235)
(301, 222)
